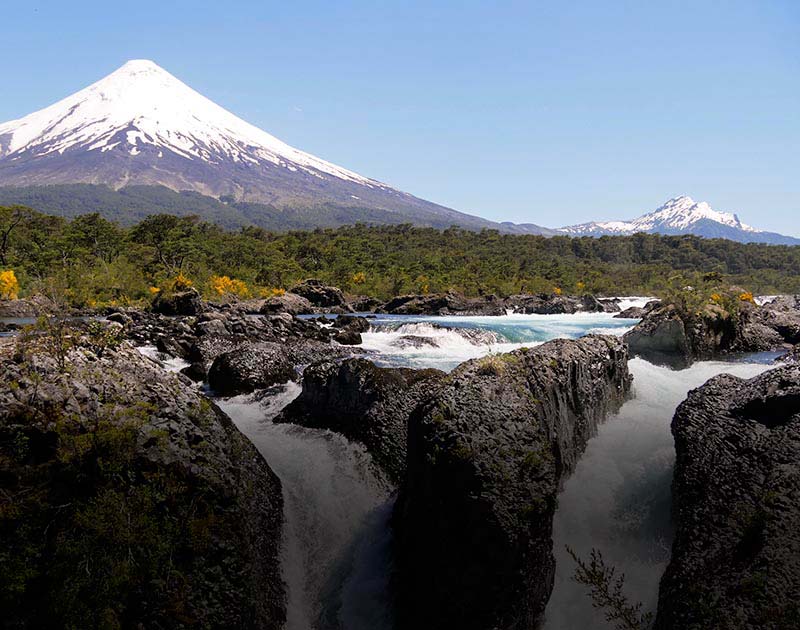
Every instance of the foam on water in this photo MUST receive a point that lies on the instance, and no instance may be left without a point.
(169, 363)
(618, 499)
(633, 300)
(448, 347)
(335, 551)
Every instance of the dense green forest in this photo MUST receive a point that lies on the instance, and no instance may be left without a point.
(98, 262)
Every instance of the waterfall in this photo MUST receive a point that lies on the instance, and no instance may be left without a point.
(335, 548)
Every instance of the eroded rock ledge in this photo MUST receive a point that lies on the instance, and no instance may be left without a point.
(736, 554)
(127, 499)
(486, 454)
(365, 403)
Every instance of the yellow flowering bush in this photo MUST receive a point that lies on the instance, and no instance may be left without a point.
(747, 297)
(181, 283)
(558, 290)
(9, 285)
(224, 285)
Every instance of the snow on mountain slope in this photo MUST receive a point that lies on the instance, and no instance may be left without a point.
(682, 215)
(152, 107)
(141, 126)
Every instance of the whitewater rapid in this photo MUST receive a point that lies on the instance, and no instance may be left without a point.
(335, 551)
(618, 500)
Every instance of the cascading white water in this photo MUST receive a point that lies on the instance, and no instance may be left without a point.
(618, 499)
(335, 552)
(171, 364)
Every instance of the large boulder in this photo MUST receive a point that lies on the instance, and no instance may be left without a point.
(365, 403)
(128, 499)
(319, 294)
(250, 367)
(178, 303)
(486, 455)
(736, 489)
(287, 303)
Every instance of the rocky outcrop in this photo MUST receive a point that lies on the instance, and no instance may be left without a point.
(486, 454)
(178, 303)
(363, 303)
(252, 366)
(25, 307)
(783, 316)
(349, 329)
(638, 312)
(674, 336)
(365, 403)
(736, 554)
(443, 304)
(320, 295)
(287, 303)
(127, 499)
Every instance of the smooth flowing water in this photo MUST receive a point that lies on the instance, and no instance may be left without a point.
(335, 553)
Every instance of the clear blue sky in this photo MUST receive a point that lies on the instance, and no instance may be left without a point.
(543, 112)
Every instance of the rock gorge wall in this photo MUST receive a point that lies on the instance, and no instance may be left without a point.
(736, 554)
(486, 455)
(127, 499)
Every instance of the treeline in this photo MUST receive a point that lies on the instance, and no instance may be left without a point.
(98, 262)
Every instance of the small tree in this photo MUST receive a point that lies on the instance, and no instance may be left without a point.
(606, 592)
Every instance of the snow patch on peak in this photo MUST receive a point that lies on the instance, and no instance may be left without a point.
(678, 215)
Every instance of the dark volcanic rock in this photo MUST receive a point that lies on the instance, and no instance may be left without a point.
(590, 304)
(349, 329)
(443, 304)
(736, 554)
(287, 303)
(672, 336)
(129, 500)
(638, 312)
(25, 307)
(543, 304)
(251, 367)
(783, 316)
(319, 294)
(363, 304)
(365, 403)
(661, 338)
(178, 303)
(486, 454)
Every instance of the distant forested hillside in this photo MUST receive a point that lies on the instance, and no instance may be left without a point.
(131, 204)
(99, 261)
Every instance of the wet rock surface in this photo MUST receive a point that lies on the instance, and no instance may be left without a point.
(128, 499)
(365, 403)
(736, 489)
(486, 454)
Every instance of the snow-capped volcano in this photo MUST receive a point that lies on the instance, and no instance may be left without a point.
(142, 126)
(682, 215)
(141, 107)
